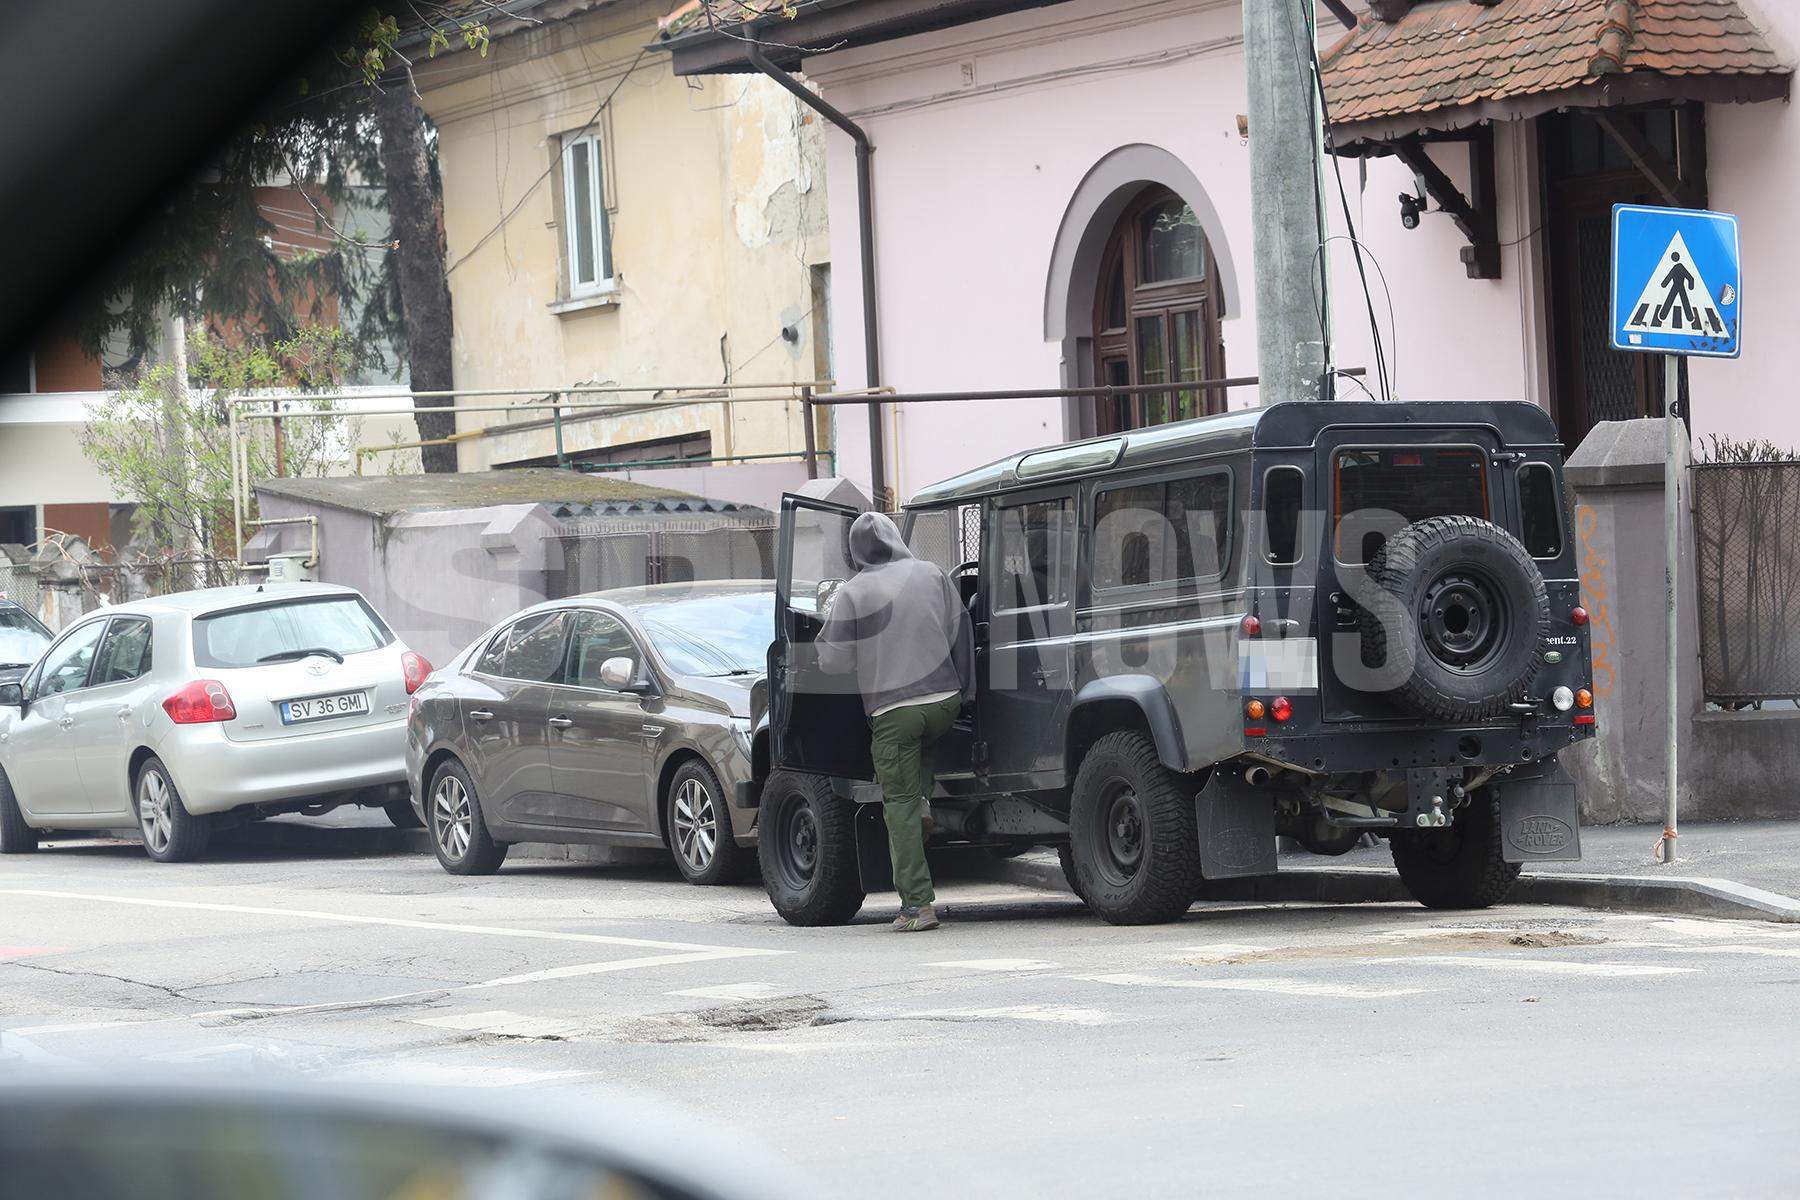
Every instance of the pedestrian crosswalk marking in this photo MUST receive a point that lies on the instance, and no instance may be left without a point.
(1278, 986)
(731, 991)
(1760, 951)
(997, 964)
(1548, 966)
(502, 1023)
(1055, 1014)
(1675, 298)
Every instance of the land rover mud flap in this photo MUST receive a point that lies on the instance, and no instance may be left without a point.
(873, 862)
(1539, 821)
(1237, 828)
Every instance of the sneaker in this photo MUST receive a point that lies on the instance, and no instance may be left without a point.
(916, 920)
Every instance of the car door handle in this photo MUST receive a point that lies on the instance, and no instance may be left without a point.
(67, 722)
(480, 714)
(125, 713)
(560, 722)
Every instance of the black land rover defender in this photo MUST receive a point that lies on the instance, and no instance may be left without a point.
(1312, 619)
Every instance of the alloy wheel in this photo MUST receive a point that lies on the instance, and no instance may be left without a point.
(154, 816)
(452, 817)
(696, 824)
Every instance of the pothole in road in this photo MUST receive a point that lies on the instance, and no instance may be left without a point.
(1411, 946)
(757, 1016)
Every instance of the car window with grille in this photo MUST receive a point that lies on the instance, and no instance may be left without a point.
(67, 667)
(1162, 532)
(596, 638)
(534, 653)
(126, 653)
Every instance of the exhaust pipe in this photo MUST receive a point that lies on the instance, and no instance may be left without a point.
(1256, 776)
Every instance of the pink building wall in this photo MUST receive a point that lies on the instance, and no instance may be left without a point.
(984, 133)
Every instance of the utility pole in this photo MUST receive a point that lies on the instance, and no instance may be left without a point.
(175, 536)
(1286, 199)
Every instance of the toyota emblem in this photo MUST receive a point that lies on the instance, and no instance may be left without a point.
(317, 666)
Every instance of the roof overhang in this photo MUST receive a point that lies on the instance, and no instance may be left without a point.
(823, 27)
(1359, 138)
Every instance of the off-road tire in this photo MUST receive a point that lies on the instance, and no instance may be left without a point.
(1405, 570)
(16, 837)
(1065, 858)
(825, 886)
(1165, 879)
(481, 855)
(188, 835)
(730, 863)
(401, 815)
(1461, 865)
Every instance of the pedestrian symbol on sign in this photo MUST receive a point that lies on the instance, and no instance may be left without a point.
(1675, 299)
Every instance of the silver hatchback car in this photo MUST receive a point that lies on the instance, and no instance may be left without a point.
(167, 713)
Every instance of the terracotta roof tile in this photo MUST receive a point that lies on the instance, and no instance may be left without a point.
(1447, 53)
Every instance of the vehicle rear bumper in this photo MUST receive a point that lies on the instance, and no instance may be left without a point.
(1375, 748)
(216, 774)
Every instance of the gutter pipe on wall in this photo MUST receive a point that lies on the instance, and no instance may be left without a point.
(865, 218)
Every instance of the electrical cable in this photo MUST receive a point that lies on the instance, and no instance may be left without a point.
(548, 171)
(1381, 367)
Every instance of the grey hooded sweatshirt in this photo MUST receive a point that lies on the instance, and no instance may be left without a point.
(898, 622)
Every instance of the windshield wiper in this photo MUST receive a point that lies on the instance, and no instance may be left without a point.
(293, 655)
(734, 671)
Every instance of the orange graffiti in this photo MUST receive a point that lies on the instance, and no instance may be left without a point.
(1594, 594)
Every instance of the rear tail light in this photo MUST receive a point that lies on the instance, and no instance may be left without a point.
(1578, 615)
(1255, 710)
(1584, 698)
(201, 702)
(416, 669)
(1280, 708)
(1250, 626)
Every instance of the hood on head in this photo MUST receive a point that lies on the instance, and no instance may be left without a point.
(874, 539)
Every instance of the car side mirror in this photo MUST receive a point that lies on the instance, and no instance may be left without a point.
(621, 674)
(12, 695)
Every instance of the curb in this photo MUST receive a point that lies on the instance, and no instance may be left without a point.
(1678, 895)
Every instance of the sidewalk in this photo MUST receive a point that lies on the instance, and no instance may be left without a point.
(1740, 870)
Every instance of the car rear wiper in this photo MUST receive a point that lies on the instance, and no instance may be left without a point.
(292, 655)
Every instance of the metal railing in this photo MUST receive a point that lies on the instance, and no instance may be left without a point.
(1747, 563)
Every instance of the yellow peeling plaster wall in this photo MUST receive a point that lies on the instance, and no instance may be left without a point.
(716, 198)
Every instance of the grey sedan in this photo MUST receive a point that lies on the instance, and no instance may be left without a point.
(618, 718)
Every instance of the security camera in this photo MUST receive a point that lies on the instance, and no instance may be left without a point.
(1410, 208)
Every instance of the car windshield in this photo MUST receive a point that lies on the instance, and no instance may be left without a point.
(21, 639)
(714, 635)
(246, 637)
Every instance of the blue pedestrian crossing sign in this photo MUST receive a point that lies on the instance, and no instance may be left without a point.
(1676, 281)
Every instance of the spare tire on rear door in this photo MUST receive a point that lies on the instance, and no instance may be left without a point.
(1460, 600)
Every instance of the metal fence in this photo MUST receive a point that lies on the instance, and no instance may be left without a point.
(1747, 543)
(611, 554)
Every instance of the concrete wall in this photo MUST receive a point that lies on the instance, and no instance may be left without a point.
(986, 134)
(716, 194)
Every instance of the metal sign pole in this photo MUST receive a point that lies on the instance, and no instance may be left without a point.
(1671, 567)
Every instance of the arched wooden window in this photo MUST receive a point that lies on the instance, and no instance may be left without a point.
(1157, 315)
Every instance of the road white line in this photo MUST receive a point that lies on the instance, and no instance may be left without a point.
(1055, 1014)
(429, 1074)
(1544, 966)
(1694, 927)
(502, 1023)
(576, 970)
(1280, 987)
(1760, 951)
(545, 935)
(998, 964)
(76, 1027)
(731, 991)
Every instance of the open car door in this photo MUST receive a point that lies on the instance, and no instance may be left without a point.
(816, 721)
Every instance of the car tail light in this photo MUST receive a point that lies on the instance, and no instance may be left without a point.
(1250, 626)
(1256, 731)
(1578, 615)
(1584, 698)
(1281, 708)
(1584, 718)
(201, 702)
(1255, 710)
(415, 668)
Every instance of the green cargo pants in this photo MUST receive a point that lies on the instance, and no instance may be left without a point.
(900, 739)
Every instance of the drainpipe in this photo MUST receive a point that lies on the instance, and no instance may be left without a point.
(865, 218)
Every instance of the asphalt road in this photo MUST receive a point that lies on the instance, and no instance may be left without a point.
(1024, 1050)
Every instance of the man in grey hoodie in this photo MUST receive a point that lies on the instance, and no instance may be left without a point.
(899, 624)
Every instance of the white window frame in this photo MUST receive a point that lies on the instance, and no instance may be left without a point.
(596, 213)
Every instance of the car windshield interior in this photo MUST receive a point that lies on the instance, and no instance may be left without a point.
(243, 638)
(717, 635)
(20, 641)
